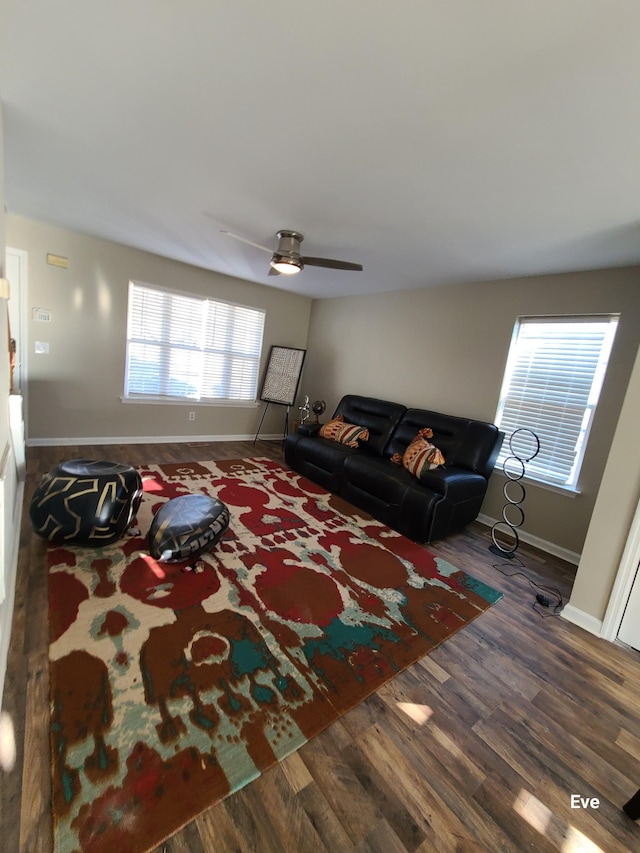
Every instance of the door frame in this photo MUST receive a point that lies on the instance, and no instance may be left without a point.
(18, 291)
(625, 578)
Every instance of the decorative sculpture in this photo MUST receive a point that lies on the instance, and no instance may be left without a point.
(318, 408)
(305, 409)
(512, 512)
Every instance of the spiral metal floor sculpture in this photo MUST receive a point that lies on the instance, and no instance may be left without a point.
(514, 492)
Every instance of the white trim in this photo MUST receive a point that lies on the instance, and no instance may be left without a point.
(22, 256)
(148, 400)
(548, 547)
(16, 429)
(624, 581)
(567, 491)
(582, 619)
(145, 439)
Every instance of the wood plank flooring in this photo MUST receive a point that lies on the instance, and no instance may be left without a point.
(477, 747)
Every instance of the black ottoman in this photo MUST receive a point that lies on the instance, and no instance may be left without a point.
(187, 526)
(86, 502)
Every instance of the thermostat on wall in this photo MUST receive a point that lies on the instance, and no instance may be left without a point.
(42, 315)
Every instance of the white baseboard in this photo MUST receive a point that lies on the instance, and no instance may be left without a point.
(548, 547)
(582, 619)
(145, 439)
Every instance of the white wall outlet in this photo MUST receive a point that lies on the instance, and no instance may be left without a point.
(42, 347)
(192, 416)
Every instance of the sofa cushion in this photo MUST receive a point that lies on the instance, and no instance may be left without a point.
(391, 494)
(470, 444)
(344, 433)
(378, 478)
(319, 459)
(380, 417)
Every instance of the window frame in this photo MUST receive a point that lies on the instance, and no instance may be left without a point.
(165, 344)
(570, 485)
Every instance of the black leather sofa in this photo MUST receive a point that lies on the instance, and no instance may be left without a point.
(440, 502)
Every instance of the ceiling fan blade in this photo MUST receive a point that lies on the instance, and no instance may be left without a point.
(244, 240)
(331, 264)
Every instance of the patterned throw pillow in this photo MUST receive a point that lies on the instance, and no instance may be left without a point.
(349, 434)
(420, 456)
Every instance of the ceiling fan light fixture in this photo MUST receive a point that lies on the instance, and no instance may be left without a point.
(286, 265)
(287, 260)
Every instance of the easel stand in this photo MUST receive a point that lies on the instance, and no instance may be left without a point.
(286, 423)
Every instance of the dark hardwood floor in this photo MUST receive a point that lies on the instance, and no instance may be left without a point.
(477, 747)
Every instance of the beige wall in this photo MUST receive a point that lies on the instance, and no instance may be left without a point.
(75, 390)
(445, 349)
(614, 510)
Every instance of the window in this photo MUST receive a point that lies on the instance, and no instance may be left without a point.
(185, 347)
(551, 385)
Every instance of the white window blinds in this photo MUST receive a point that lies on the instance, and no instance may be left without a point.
(186, 347)
(552, 382)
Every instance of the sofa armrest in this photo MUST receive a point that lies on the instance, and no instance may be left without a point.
(309, 429)
(454, 483)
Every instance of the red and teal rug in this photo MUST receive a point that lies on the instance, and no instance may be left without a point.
(172, 689)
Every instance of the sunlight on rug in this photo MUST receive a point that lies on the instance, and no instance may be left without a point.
(171, 689)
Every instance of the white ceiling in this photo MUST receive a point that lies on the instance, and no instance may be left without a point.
(433, 141)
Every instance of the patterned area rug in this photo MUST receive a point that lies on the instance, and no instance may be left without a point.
(171, 689)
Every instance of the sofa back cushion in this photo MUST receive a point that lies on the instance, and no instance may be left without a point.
(464, 443)
(380, 417)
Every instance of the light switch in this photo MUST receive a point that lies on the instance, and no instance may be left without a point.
(42, 347)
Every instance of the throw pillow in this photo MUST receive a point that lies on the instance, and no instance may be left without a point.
(349, 434)
(420, 456)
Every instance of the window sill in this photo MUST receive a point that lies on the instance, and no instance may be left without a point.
(567, 491)
(181, 401)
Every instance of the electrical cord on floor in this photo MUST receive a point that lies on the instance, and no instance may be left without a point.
(542, 592)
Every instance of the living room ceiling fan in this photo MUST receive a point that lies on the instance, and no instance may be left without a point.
(286, 258)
